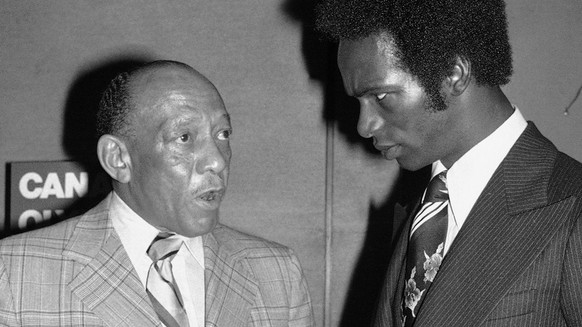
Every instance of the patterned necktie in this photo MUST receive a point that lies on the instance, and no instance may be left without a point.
(160, 285)
(425, 246)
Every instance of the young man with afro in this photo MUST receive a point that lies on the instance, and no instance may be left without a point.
(499, 241)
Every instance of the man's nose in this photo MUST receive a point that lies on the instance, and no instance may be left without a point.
(213, 158)
(369, 120)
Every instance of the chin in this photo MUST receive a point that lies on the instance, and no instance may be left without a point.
(200, 226)
(410, 166)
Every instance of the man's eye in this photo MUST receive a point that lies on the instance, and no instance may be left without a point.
(184, 138)
(380, 96)
(224, 135)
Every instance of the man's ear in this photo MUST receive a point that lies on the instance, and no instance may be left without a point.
(114, 157)
(460, 77)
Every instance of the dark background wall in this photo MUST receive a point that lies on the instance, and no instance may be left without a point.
(300, 174)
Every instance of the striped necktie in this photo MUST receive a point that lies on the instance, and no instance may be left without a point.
(425, 246)
(161, 286)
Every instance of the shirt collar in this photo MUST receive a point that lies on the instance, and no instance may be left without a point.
(136, 235)
(469, 175)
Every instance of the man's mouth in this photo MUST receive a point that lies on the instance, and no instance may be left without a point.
(211, 195)
(383, 147)
(389, 152)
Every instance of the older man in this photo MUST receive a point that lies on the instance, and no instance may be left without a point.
(497, 238)
(153, 250)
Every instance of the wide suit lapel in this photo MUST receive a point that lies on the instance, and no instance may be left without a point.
(506, 229)
(230, 289)
(105, 280)
(388, 313)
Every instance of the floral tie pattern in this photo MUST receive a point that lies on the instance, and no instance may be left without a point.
(425, 247)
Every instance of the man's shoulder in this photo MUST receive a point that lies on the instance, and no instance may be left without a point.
(247, 245)
(254, 256)
(566, 175)
(44, 239)
(51, 238)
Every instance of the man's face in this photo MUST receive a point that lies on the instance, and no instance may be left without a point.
(394, 108)
(180, 151)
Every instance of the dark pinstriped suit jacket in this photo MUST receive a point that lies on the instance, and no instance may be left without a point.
(517, 261)
(77, 273)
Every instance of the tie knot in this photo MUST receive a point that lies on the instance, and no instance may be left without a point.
(164, 246)
(437, 189)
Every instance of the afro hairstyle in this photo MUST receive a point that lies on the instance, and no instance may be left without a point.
(429, 35)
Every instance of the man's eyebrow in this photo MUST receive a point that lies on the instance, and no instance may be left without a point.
(227, 116)
(376, 88)
(362, 92)
(359, 93)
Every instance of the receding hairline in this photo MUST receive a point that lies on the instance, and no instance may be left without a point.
(160, 73)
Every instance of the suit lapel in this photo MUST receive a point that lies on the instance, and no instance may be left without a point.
(389, 311)
(230, 289)
(105, 280)
(506, 229)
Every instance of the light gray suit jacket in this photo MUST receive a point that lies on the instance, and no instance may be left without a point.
(517, 261)
(77, 273)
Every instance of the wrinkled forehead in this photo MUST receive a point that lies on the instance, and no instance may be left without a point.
(175, 85)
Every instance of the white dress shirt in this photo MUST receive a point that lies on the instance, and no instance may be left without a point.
(469, 175)
(188, 265)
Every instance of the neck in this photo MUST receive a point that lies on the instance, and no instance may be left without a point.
(490, 107)
(481, 110)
